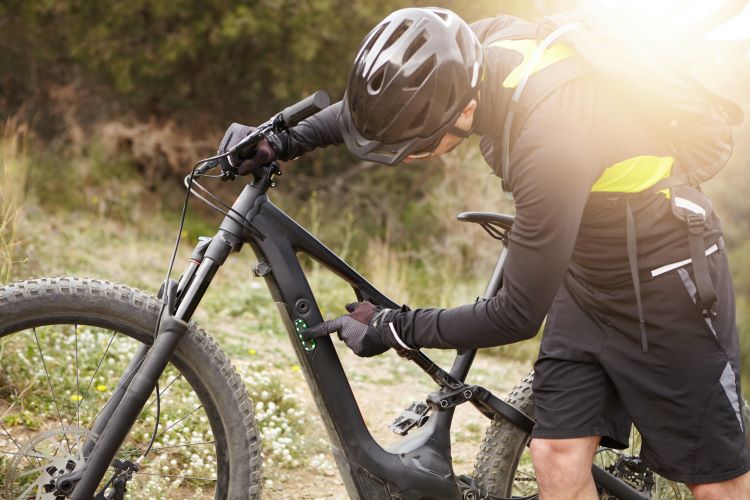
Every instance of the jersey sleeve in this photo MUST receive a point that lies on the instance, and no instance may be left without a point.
(553, 171)
(320, 130)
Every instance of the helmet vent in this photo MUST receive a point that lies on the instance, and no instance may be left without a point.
(419, 77)
(415, 46)
(376, 82)
(397, 33)
(442, 15)
(374, 38)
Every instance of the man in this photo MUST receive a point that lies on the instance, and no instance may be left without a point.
(622, 342)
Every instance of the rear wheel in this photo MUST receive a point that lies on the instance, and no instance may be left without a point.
(504, 469)
(64, 342)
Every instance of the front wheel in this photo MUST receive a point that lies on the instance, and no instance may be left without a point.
(503, 467)
(64, 343)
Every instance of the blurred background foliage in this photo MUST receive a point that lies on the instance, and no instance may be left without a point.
(111, 102)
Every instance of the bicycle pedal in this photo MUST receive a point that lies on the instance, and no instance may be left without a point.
(414, 416)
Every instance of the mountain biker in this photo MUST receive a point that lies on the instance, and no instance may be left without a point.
(423, 81)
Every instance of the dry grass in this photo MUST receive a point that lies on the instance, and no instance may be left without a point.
(13, 184)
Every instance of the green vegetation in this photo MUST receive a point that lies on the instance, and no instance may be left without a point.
(106, 105)
(13, 184)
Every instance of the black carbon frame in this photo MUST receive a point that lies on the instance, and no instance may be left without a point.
(416, 467)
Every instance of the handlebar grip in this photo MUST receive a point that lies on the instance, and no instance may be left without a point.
(307, 107)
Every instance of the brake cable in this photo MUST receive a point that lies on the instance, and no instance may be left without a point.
(172, 259)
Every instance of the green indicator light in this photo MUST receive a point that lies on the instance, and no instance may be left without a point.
(300, 325)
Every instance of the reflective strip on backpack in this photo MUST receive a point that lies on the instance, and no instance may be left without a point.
(553, 54)
(634, 175)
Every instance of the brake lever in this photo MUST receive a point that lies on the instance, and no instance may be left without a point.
(288, 118)
(228, 174)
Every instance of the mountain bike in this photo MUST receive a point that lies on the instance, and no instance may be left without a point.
(78, 437)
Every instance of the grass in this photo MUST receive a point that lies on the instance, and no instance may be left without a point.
(102, 224)
(13, 183)
(63, 381)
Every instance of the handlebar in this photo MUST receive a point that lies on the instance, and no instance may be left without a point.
(288, 118)
(307, 107)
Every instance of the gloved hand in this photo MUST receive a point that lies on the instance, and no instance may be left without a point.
(365, 330)
(261, 155)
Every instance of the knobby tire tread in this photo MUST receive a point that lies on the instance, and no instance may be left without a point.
(62, 298)
(503, 445)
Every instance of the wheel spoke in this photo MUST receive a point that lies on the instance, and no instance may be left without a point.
(14, 392)
(98, 365)
(52, 390)
(15, 442)
(140, 447)
(175, 476)
(36, 455)
(78, 384)
(161, 394)
(43, 423)
(121, 386)
(32, 471)
(197, 443)
(26, 491)
(159, 448)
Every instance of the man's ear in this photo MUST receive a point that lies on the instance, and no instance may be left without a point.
(469, 109)
(466, 118)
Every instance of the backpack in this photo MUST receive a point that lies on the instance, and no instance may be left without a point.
(697, 120)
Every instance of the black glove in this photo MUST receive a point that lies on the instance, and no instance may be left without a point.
(260, 155)
(365, 330)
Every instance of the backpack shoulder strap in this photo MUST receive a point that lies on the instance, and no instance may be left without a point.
(555, 76)
(520, 30)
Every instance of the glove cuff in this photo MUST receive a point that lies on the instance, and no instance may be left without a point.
(388, 331)
(280, 144)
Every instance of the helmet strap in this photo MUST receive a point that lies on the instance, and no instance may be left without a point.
(453, 130)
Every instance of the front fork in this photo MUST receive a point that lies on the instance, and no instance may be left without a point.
(139, 380)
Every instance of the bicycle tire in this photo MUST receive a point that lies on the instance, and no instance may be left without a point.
(496, 467)
(504, 444)
(201, 366)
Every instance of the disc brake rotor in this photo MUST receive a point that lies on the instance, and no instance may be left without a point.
(35, 467)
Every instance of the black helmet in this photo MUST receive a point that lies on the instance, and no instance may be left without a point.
(413, 75)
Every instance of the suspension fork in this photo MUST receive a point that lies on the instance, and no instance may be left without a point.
(105, 415)
(125, 406)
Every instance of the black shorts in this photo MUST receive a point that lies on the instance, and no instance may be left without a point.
(592, 379)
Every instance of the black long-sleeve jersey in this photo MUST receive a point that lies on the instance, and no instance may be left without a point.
(565, 146)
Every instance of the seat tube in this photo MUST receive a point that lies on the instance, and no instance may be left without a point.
(497, 276)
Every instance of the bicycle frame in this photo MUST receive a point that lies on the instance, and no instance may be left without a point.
(416, 467)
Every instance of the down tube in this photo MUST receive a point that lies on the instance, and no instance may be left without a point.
(368, 471)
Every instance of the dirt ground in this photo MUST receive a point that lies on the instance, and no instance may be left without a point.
(383, 387)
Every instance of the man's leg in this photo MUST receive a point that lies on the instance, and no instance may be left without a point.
(563, 467)
(738, 487)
